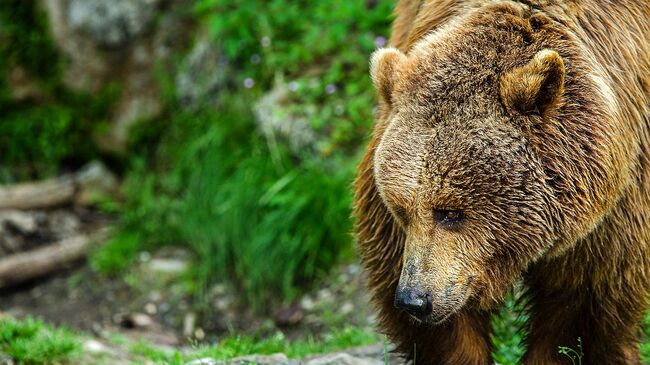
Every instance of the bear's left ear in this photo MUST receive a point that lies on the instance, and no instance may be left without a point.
(384, 66)
(536, 86)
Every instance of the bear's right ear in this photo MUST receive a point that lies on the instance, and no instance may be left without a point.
(536, 86)
(384, 65)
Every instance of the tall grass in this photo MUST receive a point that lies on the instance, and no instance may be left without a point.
(271, 225)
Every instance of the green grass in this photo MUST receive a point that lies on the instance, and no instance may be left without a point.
(32, 342)
(235, 346)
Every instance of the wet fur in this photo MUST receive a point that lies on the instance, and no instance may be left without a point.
(594, 149)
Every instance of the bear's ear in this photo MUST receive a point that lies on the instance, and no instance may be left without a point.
(536, 86)
(384, 65)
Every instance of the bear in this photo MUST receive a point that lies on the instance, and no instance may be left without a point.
(511, 148)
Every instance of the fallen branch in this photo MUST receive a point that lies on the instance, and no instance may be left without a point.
(79, 188)
(35, 195)
(21, 267)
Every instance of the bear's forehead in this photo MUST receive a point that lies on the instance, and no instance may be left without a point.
(466, 58)
(411, 154)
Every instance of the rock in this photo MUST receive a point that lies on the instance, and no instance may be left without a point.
(203, 361)
(23, 222)
(6, 359)
(289, 315)
(62, 224)
(95, 182)
(275, 359)
(189, 323)
(343, 359)
(279, 119)
(112, 24)
(97, 348)
(123, 42)
(136, 320)
(168, 266)
(22, 86)
(260, 359)
(346, 308)
(202, 75)
(307, 303)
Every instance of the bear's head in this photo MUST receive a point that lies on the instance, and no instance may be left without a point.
(461, 163)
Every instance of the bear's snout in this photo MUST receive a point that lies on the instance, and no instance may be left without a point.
(414, 301)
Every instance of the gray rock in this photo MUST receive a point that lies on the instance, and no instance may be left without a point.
(202, 75)
(23, 222)
(280, 120)
(203, 361)
(344, 359)
(112, 23)
(62, 224)
(119, 41)
(95, 182)
(168, 265)
(260, 359)
(6, 359)
(274, 359)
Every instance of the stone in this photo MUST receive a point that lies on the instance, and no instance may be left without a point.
(289, 315)
(202, 75)
(119, 42)
(6, 359)
(189, 323)
(168, 266)
(112, 24)
(96, 347)
(260, 359)
(95, 182)
(203, 361)
(279, 120)
(23, 222)
(343, 359)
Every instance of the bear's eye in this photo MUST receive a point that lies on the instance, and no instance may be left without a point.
(450, 219)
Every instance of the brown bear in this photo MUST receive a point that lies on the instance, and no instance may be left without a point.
(511, 144)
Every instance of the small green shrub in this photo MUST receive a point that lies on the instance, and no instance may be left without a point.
(31, 342)
(509, 325)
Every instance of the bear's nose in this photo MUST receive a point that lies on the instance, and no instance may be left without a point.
(414, 301)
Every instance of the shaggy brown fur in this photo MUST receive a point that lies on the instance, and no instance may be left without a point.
(512, 142)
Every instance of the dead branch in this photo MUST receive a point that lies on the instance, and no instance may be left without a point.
(79, 188)
(21, 267)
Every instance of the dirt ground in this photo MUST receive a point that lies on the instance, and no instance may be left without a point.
(151, 301)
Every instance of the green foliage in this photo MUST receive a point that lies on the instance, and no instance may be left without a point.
(30, 341)
(284, 35)
(35, 140)
(25, 41)
(38, 137)
(118, 253)
(265, 219)
(322, 46)
(645, 344)
(270, 226)
(508, 330)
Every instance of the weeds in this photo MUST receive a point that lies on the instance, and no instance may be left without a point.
(575, 355)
